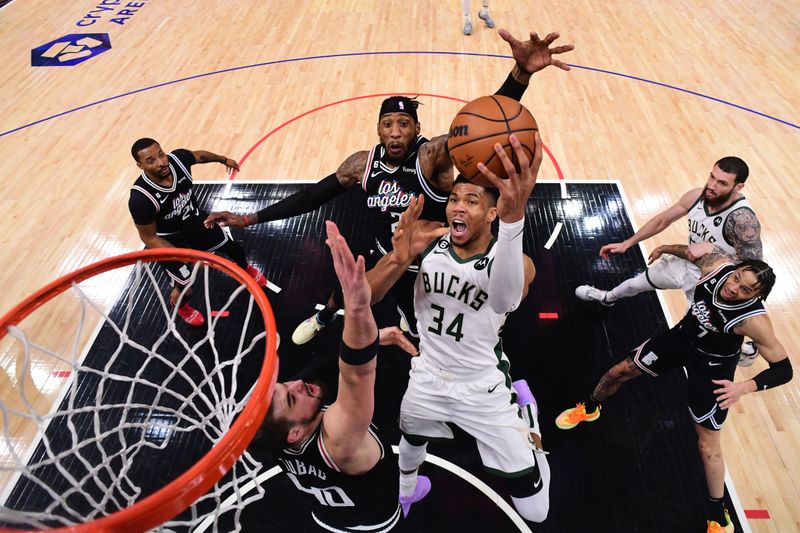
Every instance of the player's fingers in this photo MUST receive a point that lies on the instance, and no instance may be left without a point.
(562, 49)
(535, 38)
(507, 37)
(560, 64)
(491, 176)
(548, 40)
(522, 158)
(537, 153)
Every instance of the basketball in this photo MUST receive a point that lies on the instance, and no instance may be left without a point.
(482, 123)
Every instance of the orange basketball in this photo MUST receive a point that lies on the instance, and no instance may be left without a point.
(482, 123)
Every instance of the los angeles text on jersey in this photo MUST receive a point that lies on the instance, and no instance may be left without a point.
(389, 195)
(450, 285)
(703, 315)
(179, 202)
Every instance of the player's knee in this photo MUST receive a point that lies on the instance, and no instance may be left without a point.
(708, 444)
(530, 494)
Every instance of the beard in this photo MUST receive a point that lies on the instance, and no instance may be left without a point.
(716, 200)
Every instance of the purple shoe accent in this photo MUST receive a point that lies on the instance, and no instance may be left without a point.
(524, 394)
(420, 491)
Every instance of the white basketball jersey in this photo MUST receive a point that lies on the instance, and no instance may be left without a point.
(458, 331)
(706, 227)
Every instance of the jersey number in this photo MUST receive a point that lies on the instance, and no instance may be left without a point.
(396, 216)
(330, 496)
(454, 329)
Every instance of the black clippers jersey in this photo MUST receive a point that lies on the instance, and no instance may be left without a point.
(390, 190)
(709, 323)
(341, 502)
(170, 208)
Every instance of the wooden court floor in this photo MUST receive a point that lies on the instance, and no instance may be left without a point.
(660, 90)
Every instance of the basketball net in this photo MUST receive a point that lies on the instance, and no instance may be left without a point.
(140, 419)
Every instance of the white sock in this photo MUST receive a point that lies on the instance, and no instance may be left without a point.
(485, 7)
(630, 287)
(410, 457)
(465, 7)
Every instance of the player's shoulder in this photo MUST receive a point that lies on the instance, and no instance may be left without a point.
(184, 156)
(691, 198)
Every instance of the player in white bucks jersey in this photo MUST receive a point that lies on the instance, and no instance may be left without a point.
(403, 166)
(727, 305)
(334, 455)
(717, 213)
(166, 214)
(468, 282)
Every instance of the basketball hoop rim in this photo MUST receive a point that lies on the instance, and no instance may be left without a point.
(184, 490)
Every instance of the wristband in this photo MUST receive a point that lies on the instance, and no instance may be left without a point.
(359, 356)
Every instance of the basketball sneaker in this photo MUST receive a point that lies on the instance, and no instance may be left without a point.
(715, 527)
(587, 293)
(420, 491)
(308, 329)
(191, 316)
(467, 26)
(483, 14)
(256, 274)
(748, 354)
(573, 416)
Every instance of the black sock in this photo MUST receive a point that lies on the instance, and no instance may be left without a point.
(717, 511)
(235, 251)
(591, 405)
(326, 316)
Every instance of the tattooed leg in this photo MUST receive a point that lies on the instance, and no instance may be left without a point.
(617, 375)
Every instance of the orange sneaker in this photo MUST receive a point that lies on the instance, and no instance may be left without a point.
(191, 316)
(570, 418)
(714, 527)
(256, 274)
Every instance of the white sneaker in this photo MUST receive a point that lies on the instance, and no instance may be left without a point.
(483, 14)
(307, 330)
(748, 355)
(467, 27)
(587, 293)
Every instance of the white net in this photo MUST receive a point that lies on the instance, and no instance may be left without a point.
(107, 397)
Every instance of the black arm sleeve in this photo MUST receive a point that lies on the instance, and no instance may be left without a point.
(512, 88)
(777, 374)
(304, 201)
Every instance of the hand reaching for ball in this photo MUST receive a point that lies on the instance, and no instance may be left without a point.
(515, 191)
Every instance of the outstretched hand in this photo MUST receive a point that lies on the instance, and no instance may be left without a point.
(534, 55)
(412, 235)
(350, 271)
(614, 248)
(394, 335)
(515, 191)
(224, 219)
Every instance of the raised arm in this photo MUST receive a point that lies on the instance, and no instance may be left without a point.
(202, 157)
(743, 231)
(758, 328)
(529, 57)
(411, 237)
(655, 225)
(310, 198)
(508, 281)
(348, 418)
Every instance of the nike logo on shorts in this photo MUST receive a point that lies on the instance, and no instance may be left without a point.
(714, 364)
(493, 388)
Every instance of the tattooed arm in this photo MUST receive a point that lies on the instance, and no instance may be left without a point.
(743, 231)
(703, 254)
(435, 163)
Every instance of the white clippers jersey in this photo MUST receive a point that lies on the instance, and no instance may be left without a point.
(705, 227)
(458, 331)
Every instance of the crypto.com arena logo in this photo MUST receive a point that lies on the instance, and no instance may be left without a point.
(70, 50)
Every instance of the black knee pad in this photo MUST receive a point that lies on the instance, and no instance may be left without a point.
(526, 485)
